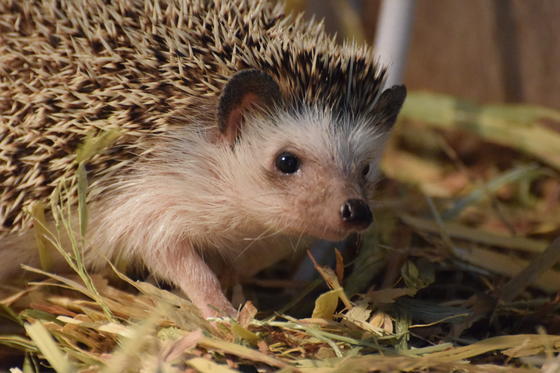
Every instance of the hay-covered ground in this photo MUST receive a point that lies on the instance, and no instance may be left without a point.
(458, 274)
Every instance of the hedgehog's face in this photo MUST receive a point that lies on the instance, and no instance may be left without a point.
(307, 173)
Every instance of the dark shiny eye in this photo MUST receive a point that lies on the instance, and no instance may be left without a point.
(287, 163)
(365, 170)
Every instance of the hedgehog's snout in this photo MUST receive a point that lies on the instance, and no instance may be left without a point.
(356, 213)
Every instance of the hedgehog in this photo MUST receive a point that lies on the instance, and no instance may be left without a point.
(244, 133)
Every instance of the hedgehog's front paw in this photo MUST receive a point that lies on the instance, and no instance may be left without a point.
(220, 307)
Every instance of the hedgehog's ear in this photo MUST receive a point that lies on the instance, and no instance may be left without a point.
(389, 104)
(246, 89)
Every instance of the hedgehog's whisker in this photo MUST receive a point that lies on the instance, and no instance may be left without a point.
(255, 239)
(300, 237)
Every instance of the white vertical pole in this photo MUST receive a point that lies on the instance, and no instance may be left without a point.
(392, 37)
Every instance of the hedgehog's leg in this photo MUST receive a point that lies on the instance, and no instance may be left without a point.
(184, 267)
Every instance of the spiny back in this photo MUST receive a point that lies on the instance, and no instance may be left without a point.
(73, 68)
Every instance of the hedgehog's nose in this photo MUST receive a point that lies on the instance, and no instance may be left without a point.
(356, 212)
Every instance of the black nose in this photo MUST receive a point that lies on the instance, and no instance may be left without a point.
(356, 212)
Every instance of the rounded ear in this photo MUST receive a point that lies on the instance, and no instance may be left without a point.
(389, 104)
(246, 89)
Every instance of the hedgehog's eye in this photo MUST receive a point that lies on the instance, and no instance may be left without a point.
(365, 171)
(287, 163)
